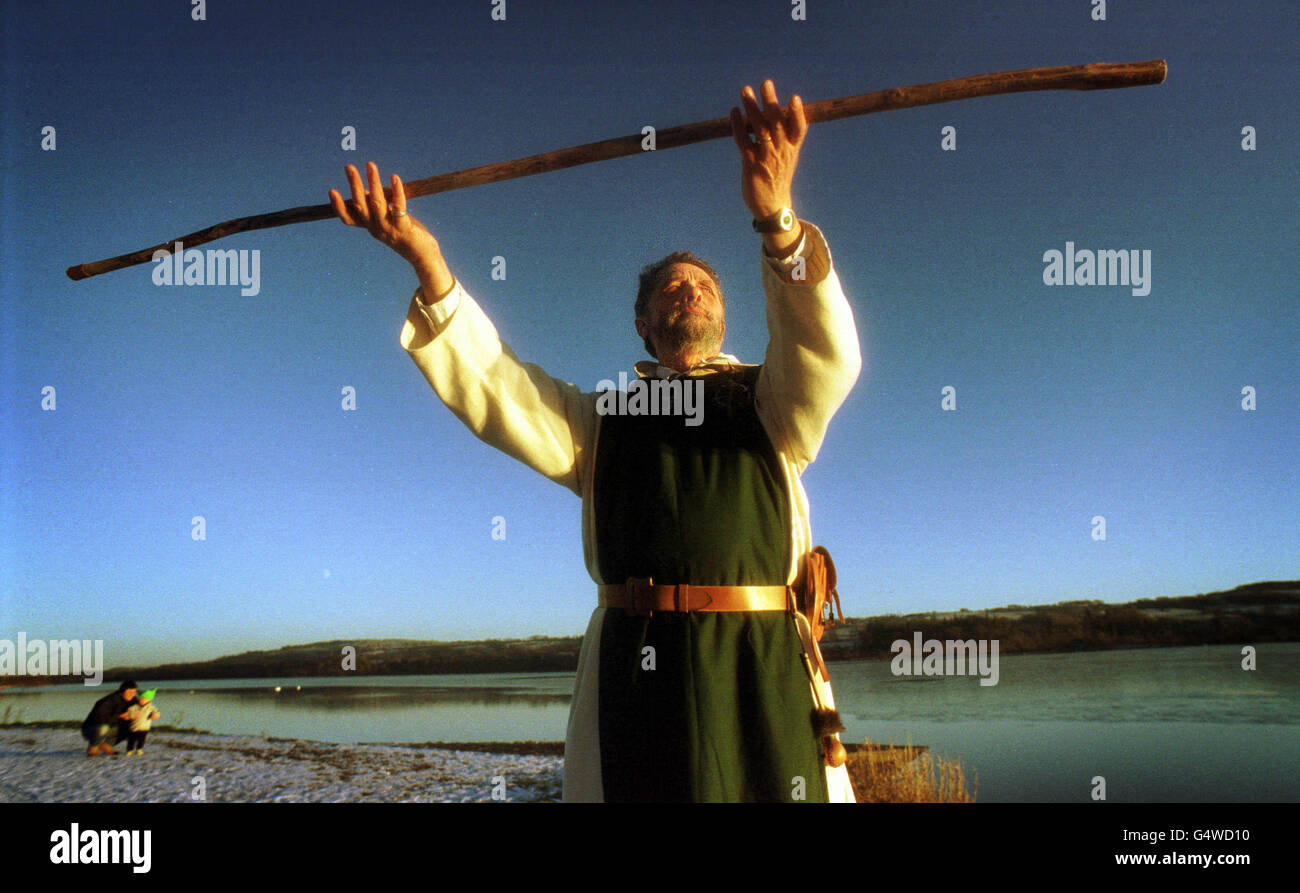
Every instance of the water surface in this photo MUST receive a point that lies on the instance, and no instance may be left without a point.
(1159, 724)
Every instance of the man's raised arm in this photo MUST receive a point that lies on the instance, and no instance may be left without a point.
(395, 227)
(514, 406)
(812, 356)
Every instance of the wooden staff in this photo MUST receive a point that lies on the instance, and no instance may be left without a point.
(1097, 76)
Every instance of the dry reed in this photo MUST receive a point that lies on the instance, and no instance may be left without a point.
(907, 774)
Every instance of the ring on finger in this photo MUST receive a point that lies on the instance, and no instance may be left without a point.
(396, 213)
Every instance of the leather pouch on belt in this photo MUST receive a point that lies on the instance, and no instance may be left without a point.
(816, 597)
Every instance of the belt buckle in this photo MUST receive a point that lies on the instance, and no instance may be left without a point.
(639, 594)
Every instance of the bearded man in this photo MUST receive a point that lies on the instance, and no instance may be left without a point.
(694, 681)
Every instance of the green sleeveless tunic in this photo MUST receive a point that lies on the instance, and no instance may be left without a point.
(720, 708)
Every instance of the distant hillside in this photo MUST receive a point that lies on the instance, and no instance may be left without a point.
(384, 657)
(1257, 612)
(374, 657)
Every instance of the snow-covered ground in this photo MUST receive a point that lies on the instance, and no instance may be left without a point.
(50, 765)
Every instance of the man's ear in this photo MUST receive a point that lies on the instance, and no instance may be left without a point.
(642, 327)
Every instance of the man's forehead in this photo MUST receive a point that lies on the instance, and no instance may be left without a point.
(685, 270)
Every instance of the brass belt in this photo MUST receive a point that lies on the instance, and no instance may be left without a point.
(643, 597)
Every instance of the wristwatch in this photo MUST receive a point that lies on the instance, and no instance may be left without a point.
(783, 222)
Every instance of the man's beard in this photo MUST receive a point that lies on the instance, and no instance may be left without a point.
(681, 332)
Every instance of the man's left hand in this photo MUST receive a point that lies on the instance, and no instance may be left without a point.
(769, 158)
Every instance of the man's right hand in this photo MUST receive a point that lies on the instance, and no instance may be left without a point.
(393, 225)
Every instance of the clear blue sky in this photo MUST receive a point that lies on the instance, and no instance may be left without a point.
(1072, 401)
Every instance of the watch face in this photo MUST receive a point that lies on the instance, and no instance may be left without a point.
(783, 222)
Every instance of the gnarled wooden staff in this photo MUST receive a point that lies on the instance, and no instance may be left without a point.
(1097, 76)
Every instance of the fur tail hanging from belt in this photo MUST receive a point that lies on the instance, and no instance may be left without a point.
(816, 603)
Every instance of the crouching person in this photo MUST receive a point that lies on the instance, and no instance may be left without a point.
(101, 727)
